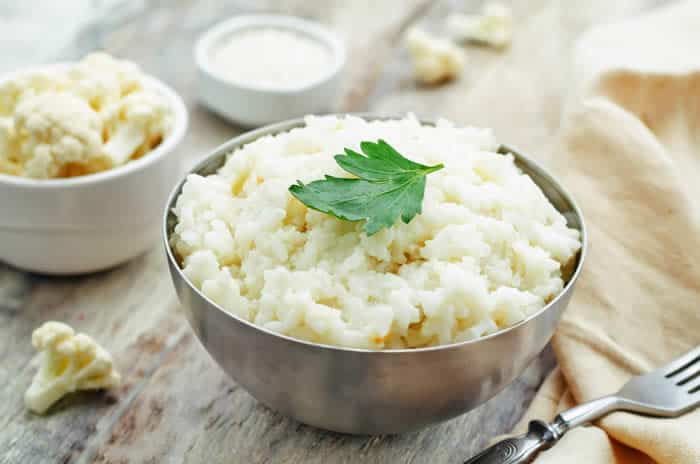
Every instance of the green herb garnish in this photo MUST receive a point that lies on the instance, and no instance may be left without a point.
(387, 186)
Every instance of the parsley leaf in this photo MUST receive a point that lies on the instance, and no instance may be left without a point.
(387, 186)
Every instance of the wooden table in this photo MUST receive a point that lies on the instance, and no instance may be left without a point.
(175, 404)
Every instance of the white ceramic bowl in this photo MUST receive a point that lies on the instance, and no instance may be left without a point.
(94, 222)
(254, 106)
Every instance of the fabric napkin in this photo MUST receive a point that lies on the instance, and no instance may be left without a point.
(629, 152)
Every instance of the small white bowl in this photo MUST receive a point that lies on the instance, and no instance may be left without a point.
(254, 106)
(93, 222)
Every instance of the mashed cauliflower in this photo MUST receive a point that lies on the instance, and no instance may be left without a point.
(486, 252)
(94, 115)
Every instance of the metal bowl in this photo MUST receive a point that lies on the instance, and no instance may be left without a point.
(362, 391)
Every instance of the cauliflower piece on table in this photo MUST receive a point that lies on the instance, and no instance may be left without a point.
(58, 135)
(102, 80)
(134, 125)
(493, 27)
(69, 362)
(435, 60)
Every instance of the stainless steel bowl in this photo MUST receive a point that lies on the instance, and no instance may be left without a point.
(362, 391)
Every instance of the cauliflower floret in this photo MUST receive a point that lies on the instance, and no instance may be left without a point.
(493, 27)
(434, 60)
(102, 80)
(69, 362)
(58, 134)
(13, 91)
(80, 119)
(8, 164)
(134, 125)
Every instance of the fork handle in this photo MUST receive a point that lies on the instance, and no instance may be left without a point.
(523, 449)
(541, 435)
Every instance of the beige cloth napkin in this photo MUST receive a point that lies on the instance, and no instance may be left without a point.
(629, 151)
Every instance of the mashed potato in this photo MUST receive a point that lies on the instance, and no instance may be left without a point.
(486, 252)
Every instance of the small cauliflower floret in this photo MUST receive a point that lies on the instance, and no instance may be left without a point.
(8, 163)
(134, 125)
(13, 91)
(7, 129)
(493, 27)
(435, 60)
(69, 362)
(102, 80)
(57, 132)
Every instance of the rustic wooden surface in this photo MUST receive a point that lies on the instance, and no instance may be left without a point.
(175, 404)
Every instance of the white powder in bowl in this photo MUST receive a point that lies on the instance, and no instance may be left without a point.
(486, 252)
(270, 58)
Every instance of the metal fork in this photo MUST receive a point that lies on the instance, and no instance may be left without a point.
(669, 391)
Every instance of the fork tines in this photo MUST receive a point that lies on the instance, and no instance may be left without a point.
(685, 371)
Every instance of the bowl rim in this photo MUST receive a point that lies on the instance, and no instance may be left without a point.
(166, 147)
(227, 147)
(312, 29)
